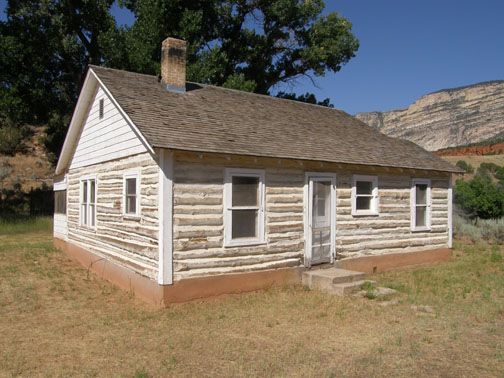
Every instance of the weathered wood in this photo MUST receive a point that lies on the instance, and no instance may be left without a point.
(105, 139)
(198, 214)
(132, 240)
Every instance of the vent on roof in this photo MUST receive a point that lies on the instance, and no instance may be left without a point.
(102, 108)
(173, 64)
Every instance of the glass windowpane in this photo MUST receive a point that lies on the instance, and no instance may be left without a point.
(364, 187)
(421, 194)
(363, 203)
(421, 216)
(83, 214)
(131, 204)
(92, 191)
(320, 206)
(84, 192)
(321, 203)
(91, 215)
(60, 202)
(131, 186)
(244, 224)
(245, 191)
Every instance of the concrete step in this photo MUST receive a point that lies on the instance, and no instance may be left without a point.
(334, 280)
(316, 277)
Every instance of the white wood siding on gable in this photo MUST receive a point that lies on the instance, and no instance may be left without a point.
(105, 139)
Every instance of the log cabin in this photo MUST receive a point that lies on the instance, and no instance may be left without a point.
(177, 190)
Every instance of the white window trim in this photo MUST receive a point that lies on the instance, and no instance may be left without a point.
(374, 199)
(81, 181)
(128, 175)
(414, 182)
(229, 173)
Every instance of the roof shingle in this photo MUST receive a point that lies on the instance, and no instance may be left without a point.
(212, 119)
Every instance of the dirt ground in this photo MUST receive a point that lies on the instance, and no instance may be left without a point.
(56, 319)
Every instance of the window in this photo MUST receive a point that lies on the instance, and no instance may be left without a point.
(60, 202)
(365, 195)
(420, 204)
(101, 108)
(244, 206)
(88, 202)
(131, 194)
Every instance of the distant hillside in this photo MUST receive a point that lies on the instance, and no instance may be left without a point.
(447, 118)
(30, 169)
(492, 146)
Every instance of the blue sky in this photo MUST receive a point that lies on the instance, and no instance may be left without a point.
(408, 49)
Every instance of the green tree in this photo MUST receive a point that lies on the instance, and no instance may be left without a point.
(44, 49)
(307, 97)
(462, 164)
(480, 197)
(242, 44)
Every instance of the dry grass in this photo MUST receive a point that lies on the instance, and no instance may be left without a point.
(56, 320)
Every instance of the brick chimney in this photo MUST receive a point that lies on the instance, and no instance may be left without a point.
(173, 64)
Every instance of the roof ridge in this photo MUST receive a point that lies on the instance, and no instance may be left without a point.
(115, 69)
(231, 90)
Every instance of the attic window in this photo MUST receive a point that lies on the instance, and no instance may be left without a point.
(102, 107)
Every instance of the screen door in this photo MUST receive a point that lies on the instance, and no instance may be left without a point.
(321, 218)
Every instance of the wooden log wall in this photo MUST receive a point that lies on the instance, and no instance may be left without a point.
(198, 229)
(129, 241)
(390, 231)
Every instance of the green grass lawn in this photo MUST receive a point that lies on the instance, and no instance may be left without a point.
(58, 320)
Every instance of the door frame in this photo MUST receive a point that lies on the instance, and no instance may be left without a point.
(307, 216)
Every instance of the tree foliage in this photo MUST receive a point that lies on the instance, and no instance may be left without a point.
(480, 197)
(307, 97)
(462, 164)
(44, 49)
(253, 45)
(244, 44)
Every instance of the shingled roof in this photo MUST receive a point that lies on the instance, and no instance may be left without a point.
(213, 119)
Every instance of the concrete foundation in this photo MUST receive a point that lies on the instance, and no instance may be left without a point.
(202, 287)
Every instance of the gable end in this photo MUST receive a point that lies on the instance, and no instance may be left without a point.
(100, 130)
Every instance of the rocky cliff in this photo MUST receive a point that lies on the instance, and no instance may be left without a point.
(447, 118)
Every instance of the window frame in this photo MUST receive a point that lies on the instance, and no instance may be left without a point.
(428, 205)
(87, 180)
(229, 173)
(375, 206)
(136, 176)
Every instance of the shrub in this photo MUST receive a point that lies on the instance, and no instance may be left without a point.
(490, 230)
(491, 169)
(462, 164)
(480, 197)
